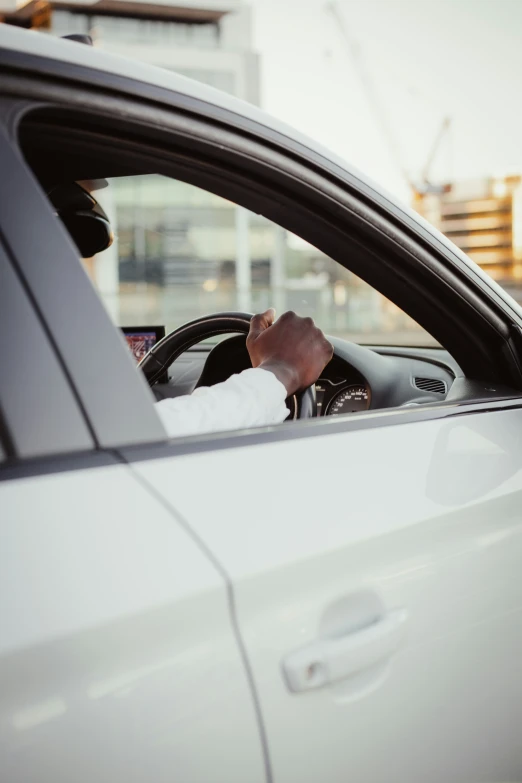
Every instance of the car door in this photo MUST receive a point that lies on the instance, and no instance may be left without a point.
(118, 654)
(376, 578)
(373, 560)
(118, 659)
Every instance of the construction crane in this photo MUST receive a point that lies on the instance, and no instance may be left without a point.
(424, 185)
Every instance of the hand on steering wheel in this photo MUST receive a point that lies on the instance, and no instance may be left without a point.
(292, 348)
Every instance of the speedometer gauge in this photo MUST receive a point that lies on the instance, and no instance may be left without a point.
(351, 399)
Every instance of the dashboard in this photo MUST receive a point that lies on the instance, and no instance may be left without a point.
(357, 378)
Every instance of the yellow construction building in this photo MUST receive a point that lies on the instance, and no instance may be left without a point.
(484, 219)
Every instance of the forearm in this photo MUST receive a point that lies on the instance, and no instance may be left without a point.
(253, 398)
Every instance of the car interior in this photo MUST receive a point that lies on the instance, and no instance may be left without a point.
(175, 361)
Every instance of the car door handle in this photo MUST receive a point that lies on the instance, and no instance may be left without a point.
(332, 659)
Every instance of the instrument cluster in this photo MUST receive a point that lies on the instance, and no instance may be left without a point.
(332, 401)
(341, 390)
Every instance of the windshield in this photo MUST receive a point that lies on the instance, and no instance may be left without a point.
(181, 252)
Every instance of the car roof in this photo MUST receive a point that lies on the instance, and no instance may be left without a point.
(29, 46)
(32, 43)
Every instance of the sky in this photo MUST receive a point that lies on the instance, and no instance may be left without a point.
(421, 60)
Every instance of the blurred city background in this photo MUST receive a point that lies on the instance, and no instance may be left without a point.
(420, 95)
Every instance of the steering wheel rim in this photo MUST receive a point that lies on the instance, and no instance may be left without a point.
(162, 355)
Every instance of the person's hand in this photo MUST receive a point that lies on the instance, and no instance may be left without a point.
(292, 348)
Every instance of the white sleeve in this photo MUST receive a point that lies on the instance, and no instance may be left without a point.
(253, 398)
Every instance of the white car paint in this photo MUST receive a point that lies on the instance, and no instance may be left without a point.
(397, 545)
(118, 661)
(324, 536)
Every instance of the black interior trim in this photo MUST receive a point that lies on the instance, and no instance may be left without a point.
(436, 356)
(6, 440)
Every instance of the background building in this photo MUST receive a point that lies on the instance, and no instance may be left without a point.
(169, 233)
(181, 251)
(484, 218)
(212, 43)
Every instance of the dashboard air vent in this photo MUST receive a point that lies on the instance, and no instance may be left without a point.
(433, 385)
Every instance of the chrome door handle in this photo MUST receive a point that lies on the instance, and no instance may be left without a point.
(332, 659)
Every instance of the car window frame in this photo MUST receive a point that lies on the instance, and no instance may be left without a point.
(488, 341)
(281, 432)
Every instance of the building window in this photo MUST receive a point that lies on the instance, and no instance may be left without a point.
(140, 31)
(65, 23)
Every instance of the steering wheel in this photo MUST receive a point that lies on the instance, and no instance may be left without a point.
(163, 354)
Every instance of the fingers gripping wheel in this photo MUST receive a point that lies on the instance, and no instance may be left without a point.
(165, 353)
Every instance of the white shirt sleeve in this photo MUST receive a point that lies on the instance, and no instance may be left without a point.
(253, 398)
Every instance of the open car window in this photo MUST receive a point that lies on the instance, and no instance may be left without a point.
(180, 252)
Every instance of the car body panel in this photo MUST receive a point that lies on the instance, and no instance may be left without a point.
(423, 518)
(117, 650)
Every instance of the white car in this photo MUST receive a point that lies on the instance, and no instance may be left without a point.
(333, 599)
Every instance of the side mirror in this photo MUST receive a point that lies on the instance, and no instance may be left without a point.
(83, 218)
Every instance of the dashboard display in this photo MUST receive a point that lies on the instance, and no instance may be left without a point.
(351, 399)
(140, 339)
(140, 343)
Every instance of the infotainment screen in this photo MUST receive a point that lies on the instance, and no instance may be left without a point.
(141, 339)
